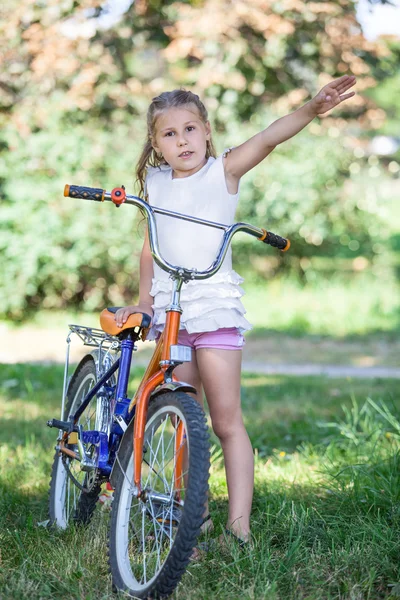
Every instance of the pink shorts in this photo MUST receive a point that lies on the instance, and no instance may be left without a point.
(228, 338)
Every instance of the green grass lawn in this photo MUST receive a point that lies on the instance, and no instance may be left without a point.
(337, 305)
(330, 306)
(326, 515)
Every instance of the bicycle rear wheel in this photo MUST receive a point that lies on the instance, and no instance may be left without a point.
(73, 492)
(151, 538)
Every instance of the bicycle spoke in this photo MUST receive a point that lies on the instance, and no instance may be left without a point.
(156, 452)
(167, 463)
(70, 485)
(149, 533)
(157, 518)
(143, 546)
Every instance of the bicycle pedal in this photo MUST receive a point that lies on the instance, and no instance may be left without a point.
(73, 438)
(167, 521)
(64, 425)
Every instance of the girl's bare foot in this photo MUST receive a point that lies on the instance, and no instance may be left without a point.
(207, 525)
(223, 543)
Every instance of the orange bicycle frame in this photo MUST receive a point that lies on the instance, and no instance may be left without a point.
(153, 377)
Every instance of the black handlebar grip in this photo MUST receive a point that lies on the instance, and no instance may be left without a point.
(86, 193)
(275, 240)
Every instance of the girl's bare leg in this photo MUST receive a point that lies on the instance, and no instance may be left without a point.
(220, 375)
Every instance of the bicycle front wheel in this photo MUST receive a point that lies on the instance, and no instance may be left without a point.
(151, 538)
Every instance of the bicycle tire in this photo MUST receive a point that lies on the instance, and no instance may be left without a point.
(175, 525)
(66, 501)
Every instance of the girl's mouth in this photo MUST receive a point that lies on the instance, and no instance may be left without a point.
(186, 154)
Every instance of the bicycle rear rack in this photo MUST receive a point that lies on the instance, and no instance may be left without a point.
(95, 338)
(91, 336)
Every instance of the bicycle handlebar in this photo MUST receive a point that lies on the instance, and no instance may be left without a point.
(85, 193)
(275, 240)
(118, 197)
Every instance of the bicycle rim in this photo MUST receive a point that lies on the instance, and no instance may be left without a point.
(152, 537)
(65, 495)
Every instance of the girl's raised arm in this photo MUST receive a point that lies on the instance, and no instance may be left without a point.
(246, 156)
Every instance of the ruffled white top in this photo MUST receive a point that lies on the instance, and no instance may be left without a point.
(208, 304)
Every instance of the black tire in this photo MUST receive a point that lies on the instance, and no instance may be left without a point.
(68, 503)
(166, 531)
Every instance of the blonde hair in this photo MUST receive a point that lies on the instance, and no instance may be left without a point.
(174, 99)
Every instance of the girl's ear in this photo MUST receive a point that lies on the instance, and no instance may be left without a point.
(154, 145)
(208, 130)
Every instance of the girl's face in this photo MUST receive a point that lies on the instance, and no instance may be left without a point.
(181, 137)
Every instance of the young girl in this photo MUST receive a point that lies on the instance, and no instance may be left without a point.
(178, 170)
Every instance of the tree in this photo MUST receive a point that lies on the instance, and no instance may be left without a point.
(73, 92)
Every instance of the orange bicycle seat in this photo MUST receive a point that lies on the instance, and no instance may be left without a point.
(109, 325)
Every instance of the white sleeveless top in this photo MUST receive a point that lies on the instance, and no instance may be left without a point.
(208, 304)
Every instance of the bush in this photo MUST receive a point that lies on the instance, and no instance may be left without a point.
(56, 250)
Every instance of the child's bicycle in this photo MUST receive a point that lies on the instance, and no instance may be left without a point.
(154, 447)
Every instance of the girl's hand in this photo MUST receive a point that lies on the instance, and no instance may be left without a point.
(333, 94)
(122, 314)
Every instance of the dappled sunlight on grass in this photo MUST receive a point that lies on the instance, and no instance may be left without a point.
(25, 472)
(25, 409)
(279, 473)
(326, 497)
(330, 307)
(287, 468)
(250, 380)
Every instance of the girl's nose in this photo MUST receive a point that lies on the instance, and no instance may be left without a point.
(182, 141)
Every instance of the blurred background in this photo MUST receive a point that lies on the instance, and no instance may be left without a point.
(76, 79)
(75, 84)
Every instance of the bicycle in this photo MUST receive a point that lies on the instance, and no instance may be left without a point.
(154, 447)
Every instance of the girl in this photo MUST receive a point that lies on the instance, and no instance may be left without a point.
(178, 170)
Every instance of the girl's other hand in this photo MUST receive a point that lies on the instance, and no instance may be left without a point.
(122, 314)
(333, 94)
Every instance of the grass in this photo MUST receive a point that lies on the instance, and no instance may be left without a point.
(360, 306)
(326, 511)
(356, 304)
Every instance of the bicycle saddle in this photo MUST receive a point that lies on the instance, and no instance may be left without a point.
(109, 325)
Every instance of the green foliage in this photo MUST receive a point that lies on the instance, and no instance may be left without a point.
(57, 250)
(72, 102)
(299, 192)
(384, 94)
(330, 200)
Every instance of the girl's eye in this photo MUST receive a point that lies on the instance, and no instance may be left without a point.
(188, 128)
